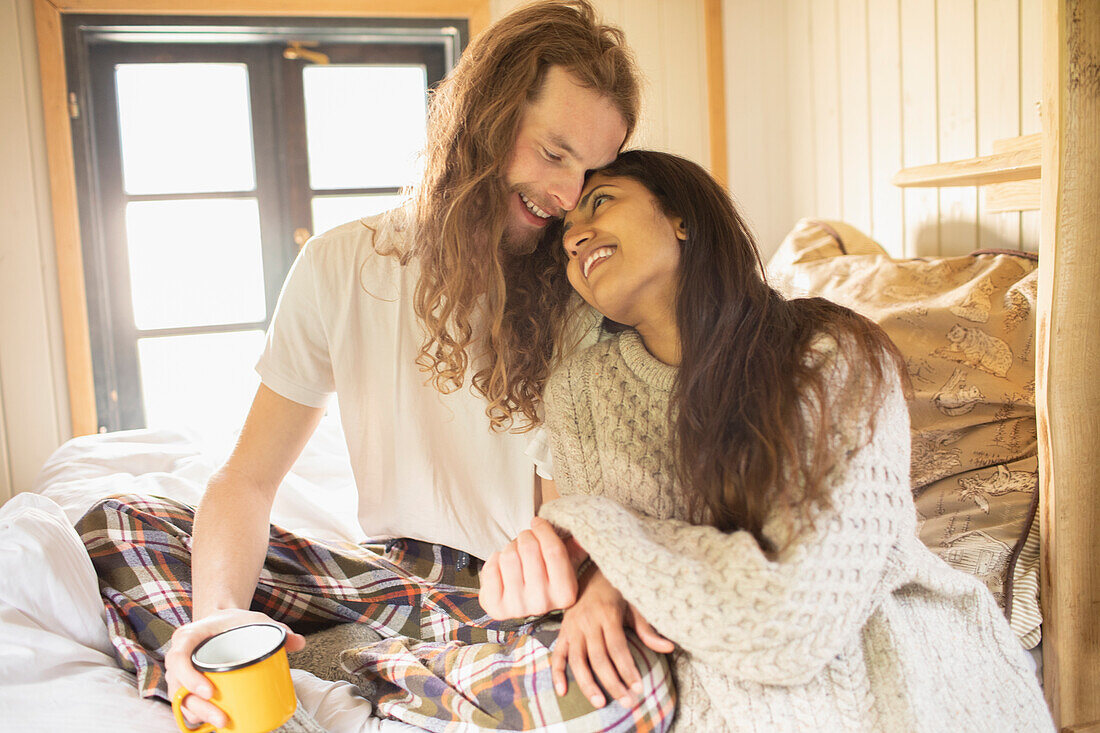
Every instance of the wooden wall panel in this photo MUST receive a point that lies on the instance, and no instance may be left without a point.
(825, 94)
(640, 20)
(998, 104)
(957, 121)
(876, 85)
(685, 80)
(855, 113)
(760, 115)
(1031, 92)
(803, 163)
(919, 122)
(884, 54)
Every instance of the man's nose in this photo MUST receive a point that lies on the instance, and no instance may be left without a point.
(567, 191)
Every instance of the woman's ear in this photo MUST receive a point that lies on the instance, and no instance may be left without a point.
(678, 226)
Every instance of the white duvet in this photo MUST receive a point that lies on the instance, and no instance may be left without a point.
(57, 671)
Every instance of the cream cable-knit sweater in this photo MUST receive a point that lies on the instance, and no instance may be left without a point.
(855, 627)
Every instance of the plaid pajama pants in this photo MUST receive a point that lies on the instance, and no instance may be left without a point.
(442, 664)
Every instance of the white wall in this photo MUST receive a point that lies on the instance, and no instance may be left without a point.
(872, 86)
(758, 112)
(34, 417)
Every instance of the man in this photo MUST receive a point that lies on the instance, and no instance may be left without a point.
(411, 319)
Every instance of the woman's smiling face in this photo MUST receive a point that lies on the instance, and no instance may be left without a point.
(624, 252)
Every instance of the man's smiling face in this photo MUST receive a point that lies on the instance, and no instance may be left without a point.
(565, 132)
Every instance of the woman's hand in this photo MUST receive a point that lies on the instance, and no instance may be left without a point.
(592, 639)
(534, 574)
(197, 707)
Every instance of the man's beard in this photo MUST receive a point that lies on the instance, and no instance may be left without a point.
(517, 241)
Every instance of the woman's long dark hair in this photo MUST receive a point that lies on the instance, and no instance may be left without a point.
(745, 444)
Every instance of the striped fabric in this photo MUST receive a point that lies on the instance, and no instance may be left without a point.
(443, 664)
(1024, 613)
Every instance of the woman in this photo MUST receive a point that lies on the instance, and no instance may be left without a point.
(736, 468)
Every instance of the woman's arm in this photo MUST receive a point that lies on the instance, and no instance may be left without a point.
(719, 596)
(231, 537)
(592, 642)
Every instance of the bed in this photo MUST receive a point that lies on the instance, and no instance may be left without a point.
(56, 670)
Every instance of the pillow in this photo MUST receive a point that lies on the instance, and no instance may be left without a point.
(965, 326)
(817, 240)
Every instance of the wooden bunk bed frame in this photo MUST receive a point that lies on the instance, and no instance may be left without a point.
(1061, 166)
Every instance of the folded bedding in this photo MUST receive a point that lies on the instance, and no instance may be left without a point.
(57, 671)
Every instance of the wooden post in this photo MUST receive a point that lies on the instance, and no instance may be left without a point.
(1068, 362)
(716, 89)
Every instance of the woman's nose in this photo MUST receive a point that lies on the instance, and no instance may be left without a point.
(573, 240)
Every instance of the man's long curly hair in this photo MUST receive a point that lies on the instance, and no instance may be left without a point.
(471, 293)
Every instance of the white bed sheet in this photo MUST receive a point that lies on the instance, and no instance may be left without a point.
(57, 671)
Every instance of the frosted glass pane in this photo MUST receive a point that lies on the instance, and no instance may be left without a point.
(185, 128)
(332, 211)
(195, 262)
(364, 124)
(204, 382)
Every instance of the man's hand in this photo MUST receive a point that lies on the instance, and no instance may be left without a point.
(197, 707)
(592, 639)
(534, 574)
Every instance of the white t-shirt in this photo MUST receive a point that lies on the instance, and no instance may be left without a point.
(426, 465)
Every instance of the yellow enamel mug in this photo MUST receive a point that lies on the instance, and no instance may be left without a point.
(251, 677)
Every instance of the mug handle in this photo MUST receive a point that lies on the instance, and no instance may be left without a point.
(177, 700)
